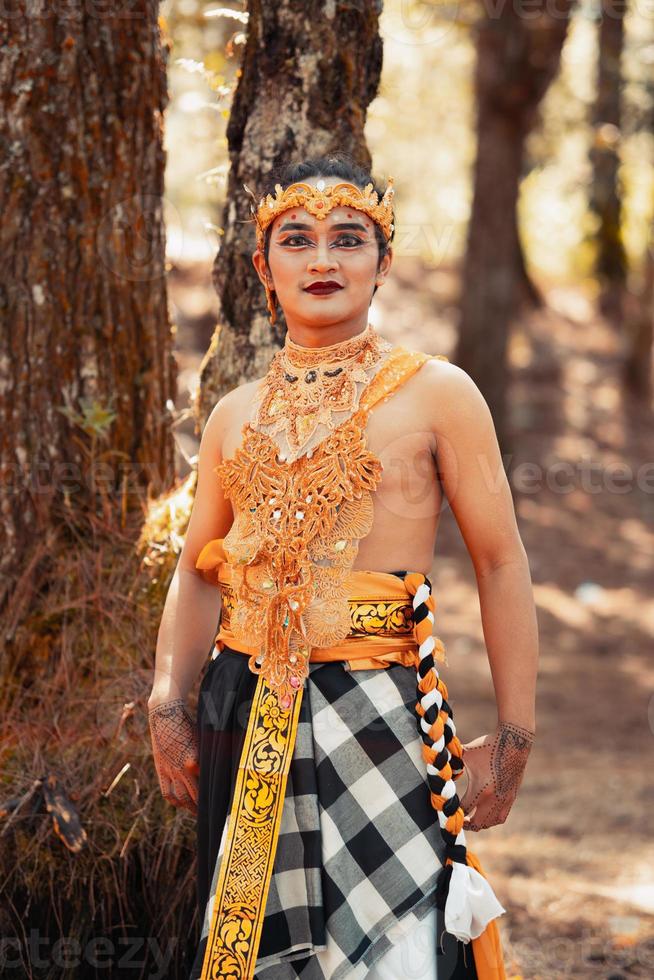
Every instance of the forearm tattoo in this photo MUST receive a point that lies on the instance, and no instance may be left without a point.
(173, 731)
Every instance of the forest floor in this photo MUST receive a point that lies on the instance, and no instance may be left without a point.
(573, 864)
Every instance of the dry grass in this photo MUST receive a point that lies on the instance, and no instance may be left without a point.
(110, 858)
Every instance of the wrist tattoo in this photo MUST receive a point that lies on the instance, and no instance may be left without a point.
(510, 751)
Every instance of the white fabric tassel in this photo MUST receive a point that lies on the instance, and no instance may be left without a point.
(471, 903)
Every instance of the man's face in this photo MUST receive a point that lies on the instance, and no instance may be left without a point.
(340, 248)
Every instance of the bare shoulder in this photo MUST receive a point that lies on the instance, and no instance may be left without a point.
(225, 416)
(470, 465)
(451, 398)
(232, 405)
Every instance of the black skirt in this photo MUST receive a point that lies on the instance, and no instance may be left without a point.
(224, 703)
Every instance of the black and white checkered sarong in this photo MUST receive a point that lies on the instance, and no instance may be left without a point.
(359, 846)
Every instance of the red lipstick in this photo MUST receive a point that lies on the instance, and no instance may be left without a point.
(323, 287)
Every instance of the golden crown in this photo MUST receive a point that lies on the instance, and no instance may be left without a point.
(320, 200)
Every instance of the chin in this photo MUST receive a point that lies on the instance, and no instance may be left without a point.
(329, 318)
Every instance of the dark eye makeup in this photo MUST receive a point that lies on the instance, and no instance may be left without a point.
(290, 238)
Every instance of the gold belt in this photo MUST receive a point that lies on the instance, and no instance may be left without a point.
(381, 631)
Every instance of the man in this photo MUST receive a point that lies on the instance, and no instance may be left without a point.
(330, 833)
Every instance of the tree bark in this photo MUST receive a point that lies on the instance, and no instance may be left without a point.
(85, 330)
(605, 194)
(308, 75)
(517, 59)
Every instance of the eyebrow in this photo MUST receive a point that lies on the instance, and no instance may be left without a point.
(301, 226)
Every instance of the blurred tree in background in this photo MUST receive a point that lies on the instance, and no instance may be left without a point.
(517, 59)
(605, 198)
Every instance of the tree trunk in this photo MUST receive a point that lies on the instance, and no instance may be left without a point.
(605, 195)
(308, 75)
(517, 59)
(637, 368)
(85, 329)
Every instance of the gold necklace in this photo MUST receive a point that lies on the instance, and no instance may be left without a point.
(305, 386)
(300, 356)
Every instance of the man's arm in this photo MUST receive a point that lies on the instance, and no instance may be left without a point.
(476, 486)
(477, 489)
(188, 623)
(192, 606)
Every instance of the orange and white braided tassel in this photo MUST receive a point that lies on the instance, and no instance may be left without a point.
(466, 897)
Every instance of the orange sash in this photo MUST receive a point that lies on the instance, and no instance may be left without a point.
(380, 611)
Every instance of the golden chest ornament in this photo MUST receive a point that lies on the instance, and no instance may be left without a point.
(296, 533)
(305, 390)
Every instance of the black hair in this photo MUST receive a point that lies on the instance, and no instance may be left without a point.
(337, 164)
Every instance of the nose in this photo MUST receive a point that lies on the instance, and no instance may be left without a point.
(322, 259)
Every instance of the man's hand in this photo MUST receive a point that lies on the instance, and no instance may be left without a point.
(495, 766)
(175, 750)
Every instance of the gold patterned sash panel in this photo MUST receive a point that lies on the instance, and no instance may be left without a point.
(251, 843)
